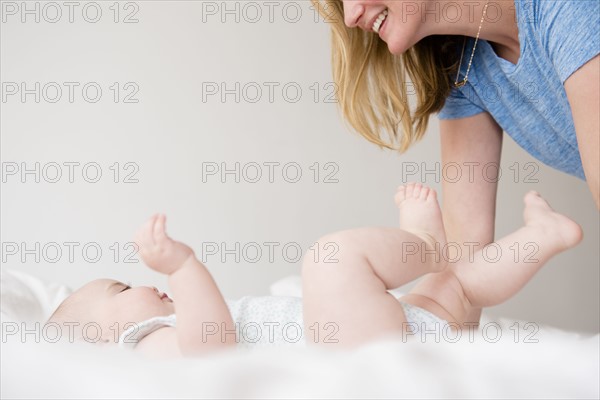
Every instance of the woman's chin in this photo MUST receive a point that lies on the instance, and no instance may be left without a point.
(395, 48)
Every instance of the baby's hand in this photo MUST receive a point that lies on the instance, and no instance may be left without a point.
(159, 251)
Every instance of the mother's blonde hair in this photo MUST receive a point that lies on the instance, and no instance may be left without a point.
(371, 82)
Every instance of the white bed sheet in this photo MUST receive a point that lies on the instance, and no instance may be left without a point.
(561, 365)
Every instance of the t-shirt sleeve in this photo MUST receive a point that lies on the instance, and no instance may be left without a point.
(458, 106)
(570, 32)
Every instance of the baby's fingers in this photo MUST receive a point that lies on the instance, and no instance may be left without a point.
(159, 228)
(144, 235)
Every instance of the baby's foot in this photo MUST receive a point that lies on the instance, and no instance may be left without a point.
(558, 229)
(420, 213)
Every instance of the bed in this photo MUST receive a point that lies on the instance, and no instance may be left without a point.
(551, 363)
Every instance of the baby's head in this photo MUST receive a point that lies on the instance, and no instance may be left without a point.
(110, 307)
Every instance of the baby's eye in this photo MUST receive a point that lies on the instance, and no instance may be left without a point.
(125, 288)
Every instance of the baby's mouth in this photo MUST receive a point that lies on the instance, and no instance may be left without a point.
(164, 296)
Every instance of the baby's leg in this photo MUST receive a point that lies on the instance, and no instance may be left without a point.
(347, 300)
(498, 271)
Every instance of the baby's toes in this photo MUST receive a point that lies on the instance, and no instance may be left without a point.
(424, 193)
(431, 195)
(410, 190)
(417, 190)
(400, 195)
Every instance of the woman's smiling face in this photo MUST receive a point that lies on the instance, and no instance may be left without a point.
(400, 28)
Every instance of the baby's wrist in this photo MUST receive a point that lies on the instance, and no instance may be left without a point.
(189, 260)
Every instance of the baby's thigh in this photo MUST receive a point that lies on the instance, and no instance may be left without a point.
(346, 296)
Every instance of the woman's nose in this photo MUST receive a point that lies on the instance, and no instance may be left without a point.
(353, 10)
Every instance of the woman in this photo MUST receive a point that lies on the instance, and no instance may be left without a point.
(530, 68)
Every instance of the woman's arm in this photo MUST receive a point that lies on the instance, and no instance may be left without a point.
(469, 203)
(473, 146)
(583, 92)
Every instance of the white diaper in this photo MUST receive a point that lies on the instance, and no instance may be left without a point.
(268, 320)
(422, 319)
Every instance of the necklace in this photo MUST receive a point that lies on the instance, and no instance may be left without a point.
(464, 81)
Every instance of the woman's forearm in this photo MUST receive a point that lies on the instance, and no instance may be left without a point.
(469, 212)
(472, 145)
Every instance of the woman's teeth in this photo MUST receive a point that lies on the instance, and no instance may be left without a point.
(379, 21)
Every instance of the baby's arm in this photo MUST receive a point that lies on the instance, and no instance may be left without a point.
(202, 314)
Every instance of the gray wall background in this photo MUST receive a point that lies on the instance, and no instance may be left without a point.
(166, 61)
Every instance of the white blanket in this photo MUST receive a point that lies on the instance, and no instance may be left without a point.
(560, 365)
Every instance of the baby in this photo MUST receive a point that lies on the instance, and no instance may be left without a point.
(345, 297)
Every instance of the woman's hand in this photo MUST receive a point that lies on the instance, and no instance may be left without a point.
(159, 251)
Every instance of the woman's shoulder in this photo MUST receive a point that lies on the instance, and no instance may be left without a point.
(568, 16)
(568, 31)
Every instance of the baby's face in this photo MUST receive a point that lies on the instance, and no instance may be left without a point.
(111, 302)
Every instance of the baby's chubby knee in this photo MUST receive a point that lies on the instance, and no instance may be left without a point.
(331, 250)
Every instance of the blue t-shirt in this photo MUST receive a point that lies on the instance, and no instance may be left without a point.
(528, 100)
